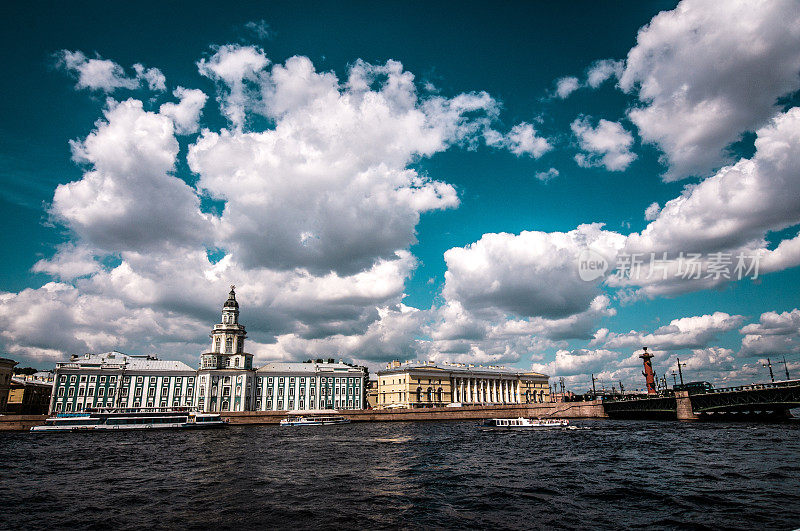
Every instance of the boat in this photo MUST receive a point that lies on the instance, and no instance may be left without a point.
(522, 423)
(131, 419)
(314, 420)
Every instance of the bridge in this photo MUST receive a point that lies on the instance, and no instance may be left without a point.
(769, 400)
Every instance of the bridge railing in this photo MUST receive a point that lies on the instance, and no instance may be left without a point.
(753, 387)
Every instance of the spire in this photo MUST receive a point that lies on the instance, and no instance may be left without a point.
(231, 302)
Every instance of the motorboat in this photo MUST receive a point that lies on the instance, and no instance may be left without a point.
(131, 419)
(522, 423)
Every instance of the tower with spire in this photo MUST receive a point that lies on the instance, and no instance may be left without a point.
(226, 371)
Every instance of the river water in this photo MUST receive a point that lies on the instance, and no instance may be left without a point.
(614, 474)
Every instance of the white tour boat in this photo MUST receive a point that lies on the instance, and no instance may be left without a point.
(523, 423)
(131, 419)
(314, 420)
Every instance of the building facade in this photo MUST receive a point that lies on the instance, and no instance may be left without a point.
(114, 379)
(29, 396)
(309, 386)
(226, 374)
(426, 384)
(6, 373)
(225, 380)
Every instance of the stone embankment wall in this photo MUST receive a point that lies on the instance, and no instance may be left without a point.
(557, 410)
(20, 422)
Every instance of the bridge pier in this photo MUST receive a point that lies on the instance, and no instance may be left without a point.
(684, 406)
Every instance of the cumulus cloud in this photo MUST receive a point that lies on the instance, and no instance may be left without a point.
(529, 274)
(128, 198)
(608, 144)
(521, 140)
(185, 114)
(686, 332)
(602, 70)
(548, 175)
(651, 212)
(333, 175)
(106, 75)
(775, 333)
(566, 86)
(706, 72)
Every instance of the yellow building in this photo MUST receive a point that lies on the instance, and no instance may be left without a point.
(427, 384)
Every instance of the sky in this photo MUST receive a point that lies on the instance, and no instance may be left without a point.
(533, 185)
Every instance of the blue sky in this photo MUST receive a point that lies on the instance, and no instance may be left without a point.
(404, 180)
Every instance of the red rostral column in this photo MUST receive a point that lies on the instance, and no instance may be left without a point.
(648, 372)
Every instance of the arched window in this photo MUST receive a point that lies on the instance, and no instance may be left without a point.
(216, 344)
(419, 394)
(527, 396)
(430, 394)
(439, 395)
(228, 344)
(240, 345)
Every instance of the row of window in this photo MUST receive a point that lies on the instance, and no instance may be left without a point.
(302, 380)
(302, 404)
(93, 378)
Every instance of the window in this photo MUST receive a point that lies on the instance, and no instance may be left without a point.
(112, 379)
(269, 404)
(163, 403)
(291, 380)
(81, 391)
(227, 380)
(60, 391)
(92, 379)
(101, 391)
(83, 378)
(127, 379)
(190, 380)
(138, 392)
(229, 344)
(110, 391)
(227, 362)
(189, 392)
(62, 378)
(291, 404)
(280, 380)
(139, 379)
(270, 380)
(151, 392)
(258, 404)
(269, 391)
(72, 378)
(236, 362)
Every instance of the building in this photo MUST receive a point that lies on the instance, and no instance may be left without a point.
(427, 384)
(6, 373)
(310, 385)
(225, 380)
(114, 379)
(28, 396)
(226, 374)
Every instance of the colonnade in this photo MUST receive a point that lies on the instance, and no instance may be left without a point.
(486, 390)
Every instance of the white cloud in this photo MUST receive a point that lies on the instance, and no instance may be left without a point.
(329, 188)
(737, 205)
(608, 144)
(260, 29)
(185, 114)
(566, 86)
(577, 362)
(234, 67)
(529, 274)
(651, 212)
(602, 70)
(775, 333)
(106, 75)
(686, 332)
(548, 175)
(707, 71)
(522, 140)
(128, 199)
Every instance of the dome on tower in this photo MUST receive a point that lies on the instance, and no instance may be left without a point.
(231, 302)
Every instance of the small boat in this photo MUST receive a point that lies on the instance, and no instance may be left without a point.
(523, 423)
(314, 420)
(131, 419)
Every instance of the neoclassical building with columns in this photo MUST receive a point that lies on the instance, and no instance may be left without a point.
(427, 384)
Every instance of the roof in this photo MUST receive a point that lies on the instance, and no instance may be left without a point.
(6, 361)
(24, 382)
(118, 360)
(310, 368)
(458, 368)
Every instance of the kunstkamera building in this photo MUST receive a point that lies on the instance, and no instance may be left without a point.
(225, 381)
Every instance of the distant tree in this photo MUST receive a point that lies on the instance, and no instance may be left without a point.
(25, 370)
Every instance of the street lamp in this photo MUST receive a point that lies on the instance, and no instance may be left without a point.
(769, 364)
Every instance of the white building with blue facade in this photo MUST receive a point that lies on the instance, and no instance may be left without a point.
(225, 380)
